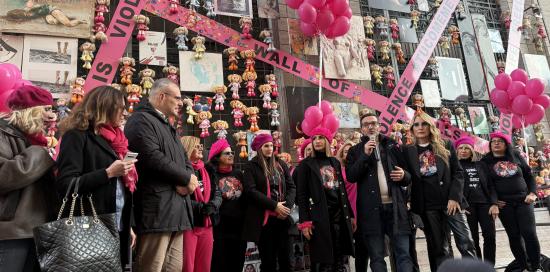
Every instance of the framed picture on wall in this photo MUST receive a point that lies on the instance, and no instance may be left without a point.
(537, 66)
(348, 114)
(11, 49)
(200, 75)
(452, 79)
(430, 92)
(235, 8)
(268, 9)
(299, 43)
(152, 51)
(479, 120)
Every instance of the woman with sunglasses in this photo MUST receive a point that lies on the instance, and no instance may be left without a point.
(229, 246)
(270, 193)
(205, 200)
(511, 183)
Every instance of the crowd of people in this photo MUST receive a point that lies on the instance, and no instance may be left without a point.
(176, 211)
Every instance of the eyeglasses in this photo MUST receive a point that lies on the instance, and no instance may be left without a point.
(369, 124)
(497, 141)
(179, 98)
(424, 124)
(228, 153)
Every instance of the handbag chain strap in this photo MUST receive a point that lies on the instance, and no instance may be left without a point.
(74, 196)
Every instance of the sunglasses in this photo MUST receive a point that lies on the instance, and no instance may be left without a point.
(424, 124)
(228, 153)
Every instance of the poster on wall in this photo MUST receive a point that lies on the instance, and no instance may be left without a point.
(430, 92)
(268, 9)
(406, 32)
(235, 8)
(152, 51)
(472, 58)
(346, 57)
(348, 114)
(479, 120)
(299, 43)
(66, 18)
(395, 5)
(496, 41)
(487, 55)
(537, 66)
(11, 49)
(200, 75)
(50, 62)
(452, 79)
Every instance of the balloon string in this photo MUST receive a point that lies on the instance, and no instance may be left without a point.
(320, 68)
(525, 140)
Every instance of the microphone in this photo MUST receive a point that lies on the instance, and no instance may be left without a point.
(376, 154)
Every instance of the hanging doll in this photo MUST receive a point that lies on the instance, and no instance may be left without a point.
(399, 55)
(376, 72)
(219, 96)
(493, 120)
(445, 117)
(194, 5)
(396, 133)
(275, 114)
(203, 118)
(127, 70)
(541, 159)
(147, 79)
(134, 95)
(411, 2)
(238, 112)
(234, 85)
(62, 109)
(418, 101)
(532, 160)
(271, 79)
(460, 11)
(209, 6)
(276, 135)
(141, 23)
(501, 65)
(267, 35)
(455, 34)
(220, 127)
(538, 132)
(390, 77)
(394, 26)
(546, 148)
(265, 94)
(77, 90)
(99, 32)
(189, 110)
(437, 3)
(461, 113)
(249, 55)
(181, 38)
(539, 45)
(250, 78)
(445, 46)
(246, 27)
(406, 132)
(540, 30)
(232, 58)
(87, 57)
(101, 7)
(368, 22)
(173, 8)
(252, 113)
(506, 19)
(415, 17)
(371, 49)
(198, 46)
(172, 72)
(432, 65)
(526, 27)
(384, 49)
(382, 26)
(240, 137)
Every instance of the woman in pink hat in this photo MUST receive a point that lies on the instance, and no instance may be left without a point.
(270, 192)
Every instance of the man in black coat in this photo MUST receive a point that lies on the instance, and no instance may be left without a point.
(376, 165)
(166, 178)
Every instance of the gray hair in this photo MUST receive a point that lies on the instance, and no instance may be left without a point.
(159, 85)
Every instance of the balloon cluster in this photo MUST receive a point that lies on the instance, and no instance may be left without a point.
(328, 17)
(517, 94)
(10, 79)
(320, 116)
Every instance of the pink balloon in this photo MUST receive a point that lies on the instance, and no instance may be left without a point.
(348, 13)
(15, 70)
(543, 100)
(339, 7)
(309, 30)
(502, 81)
(326, 107)
(331, 123)
(324, 19)
(516, 121)
(341, 26)
(307, 13)
(7, 78)
(519, 75)
(535, 115)
(500, 98)
(313, 116)
(294, 4)
(522, 104)
(316, 3)
(534, 87)
(306, 127)
(329, 33)
(515, 89)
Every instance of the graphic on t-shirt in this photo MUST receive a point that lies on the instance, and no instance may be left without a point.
(231, 188)
(427, 163)
(473, 179)
(329, 177)
(505, 169)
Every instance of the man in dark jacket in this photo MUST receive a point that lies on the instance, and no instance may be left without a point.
(161, 213)
(375, 164)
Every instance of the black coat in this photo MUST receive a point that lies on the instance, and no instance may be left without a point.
(211, 208)
(451, 177)
(162, 165)
(255, 191)
(312, 206)
(362, 169)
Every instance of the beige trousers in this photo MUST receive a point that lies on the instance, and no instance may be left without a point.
(160, 252)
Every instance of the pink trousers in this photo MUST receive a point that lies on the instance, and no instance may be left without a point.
(197, 249)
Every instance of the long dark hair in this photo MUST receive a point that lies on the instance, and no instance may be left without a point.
(510, 154)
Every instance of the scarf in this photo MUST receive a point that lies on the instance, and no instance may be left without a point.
(225, 170)
(203, 197)
(37, 139)
(269, 213)
(119, 143)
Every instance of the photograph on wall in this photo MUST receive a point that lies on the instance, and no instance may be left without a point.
(11, 49)
(472, 57)
(395, 5)
(406, 32)
(299, 43)
(452, 79)
(235, 8)
(348, 114)
(50, 62)
(200, 75)
(423, 5)
(345, 57)
(302, 98)
(152, 51)
(487, 55)
(530, 138)
(66, 18)
(268, 9)
(537, 66)
(430, 93)
(479, 120)
(496, 41)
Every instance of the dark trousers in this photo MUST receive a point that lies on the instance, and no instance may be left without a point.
(479, 214)
(518, 220)
(361, 252)
(274, 246)
(463, 238)
(337, 233)
(412, 251)
(18, 255)
(228, 254)
(436, 230)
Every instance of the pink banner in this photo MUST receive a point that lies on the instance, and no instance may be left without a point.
(119, 33)
(400, 95)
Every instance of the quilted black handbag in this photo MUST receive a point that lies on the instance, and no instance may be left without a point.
(78, 243)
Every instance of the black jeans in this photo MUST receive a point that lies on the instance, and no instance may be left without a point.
(436, 230)
(479, 213)
(18, 255)
(518, 220)
(361, 252)
(274, 246)
(228, 254)
(336, 232)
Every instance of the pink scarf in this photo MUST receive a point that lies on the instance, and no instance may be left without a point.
(203, 197)
(118, 142)
(269, 213)
(225, 170)
(37, 139)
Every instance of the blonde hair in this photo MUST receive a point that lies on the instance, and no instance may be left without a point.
(340, 153)
(475, 156)
(435, 139)
(328, 150)
(29, 120)
(189, 143)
